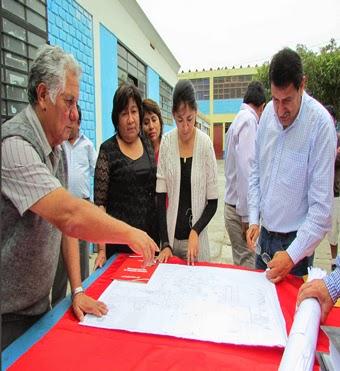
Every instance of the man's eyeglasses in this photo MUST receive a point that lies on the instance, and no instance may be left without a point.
(70, 101)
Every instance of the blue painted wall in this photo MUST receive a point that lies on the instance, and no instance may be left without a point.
(227, 105)
(109, 78)
(70, 26)
(204, 106)
(153, 92)
(152, 78)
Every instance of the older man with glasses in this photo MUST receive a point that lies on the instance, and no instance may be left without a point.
(37, 211)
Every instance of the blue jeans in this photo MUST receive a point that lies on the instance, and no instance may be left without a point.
(271, 243)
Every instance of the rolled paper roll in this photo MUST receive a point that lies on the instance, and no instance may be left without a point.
(299, 352)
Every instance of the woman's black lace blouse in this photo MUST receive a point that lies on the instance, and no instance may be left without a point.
(126, 188)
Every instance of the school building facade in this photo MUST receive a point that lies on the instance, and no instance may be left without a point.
(113, 40)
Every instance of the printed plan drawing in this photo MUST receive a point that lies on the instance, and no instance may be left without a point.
(205, 303)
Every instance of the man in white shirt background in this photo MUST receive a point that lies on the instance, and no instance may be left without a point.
(81, 161)
(240, 151)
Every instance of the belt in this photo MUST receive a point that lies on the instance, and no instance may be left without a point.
(234, 206)
(278, 234)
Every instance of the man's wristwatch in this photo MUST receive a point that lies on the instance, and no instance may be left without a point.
(76, 291)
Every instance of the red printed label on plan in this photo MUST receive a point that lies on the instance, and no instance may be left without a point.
(132, 269)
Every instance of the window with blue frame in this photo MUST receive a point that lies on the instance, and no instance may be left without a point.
(23, 28)
(228, 87)
(201, 88)
(131, 69)
(165, 101)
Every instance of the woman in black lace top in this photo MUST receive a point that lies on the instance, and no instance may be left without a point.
(125, 174)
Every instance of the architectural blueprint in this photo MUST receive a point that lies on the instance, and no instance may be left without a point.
(204, 303)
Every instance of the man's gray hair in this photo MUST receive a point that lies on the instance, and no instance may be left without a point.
(50, 67)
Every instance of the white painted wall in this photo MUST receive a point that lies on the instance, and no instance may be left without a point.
(126, 20)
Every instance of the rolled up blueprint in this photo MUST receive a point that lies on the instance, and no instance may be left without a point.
(299, 353)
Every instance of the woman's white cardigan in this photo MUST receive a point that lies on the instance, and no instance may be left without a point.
(203, 182)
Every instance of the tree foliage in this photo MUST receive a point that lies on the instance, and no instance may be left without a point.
(263, 76)
(322, 71)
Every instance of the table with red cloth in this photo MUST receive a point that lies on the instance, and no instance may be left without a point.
(70, 346)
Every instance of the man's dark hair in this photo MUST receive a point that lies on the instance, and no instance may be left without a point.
(121, 100)
(331, 110)
(255, 94)
(286, 68)
(79, 112)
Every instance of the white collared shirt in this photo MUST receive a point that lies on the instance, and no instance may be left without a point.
(81, 162)
(240, 152)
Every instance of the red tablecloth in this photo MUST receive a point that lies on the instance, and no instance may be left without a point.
(69, 346)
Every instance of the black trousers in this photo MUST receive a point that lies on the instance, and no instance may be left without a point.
(14, 325)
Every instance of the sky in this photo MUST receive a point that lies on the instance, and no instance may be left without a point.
(226, 33)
